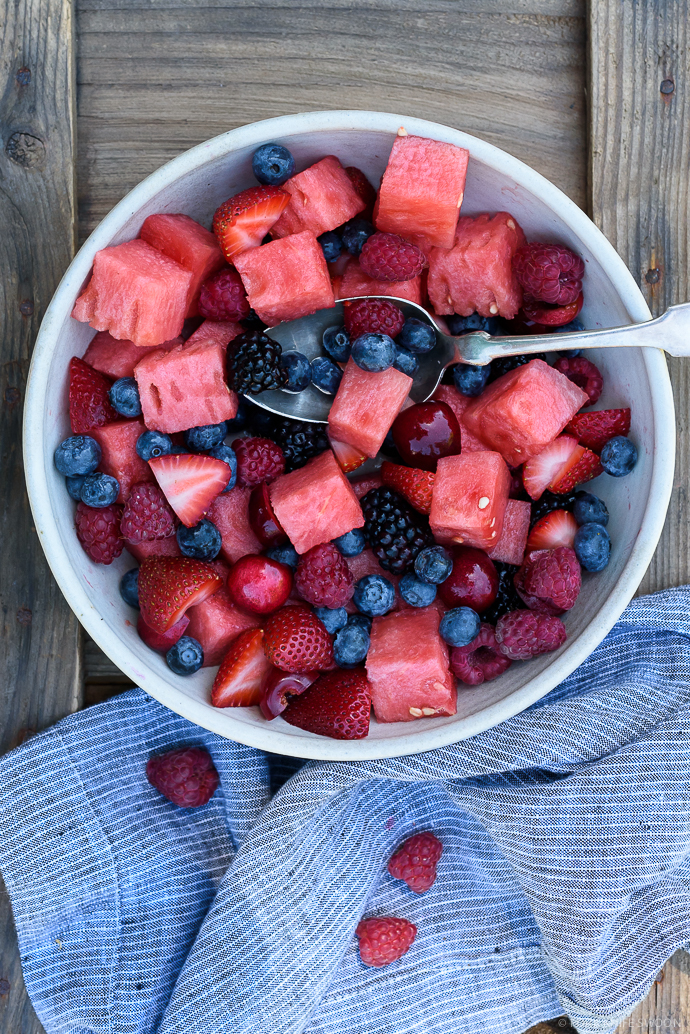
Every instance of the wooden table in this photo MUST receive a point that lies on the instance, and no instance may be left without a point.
(98, 93)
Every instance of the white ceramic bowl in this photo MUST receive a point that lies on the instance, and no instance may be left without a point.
(196, 183)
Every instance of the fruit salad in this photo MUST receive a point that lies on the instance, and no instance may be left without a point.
(395, 555)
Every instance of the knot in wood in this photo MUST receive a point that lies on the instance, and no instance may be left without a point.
(11, 396)
(27, 307)
(652, 276)
(24, 616)
(4, 986)
(26, 150)
(23, 76)
(667, 86)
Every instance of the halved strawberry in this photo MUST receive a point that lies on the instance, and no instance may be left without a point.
(242, 672)
(190, 482)
(347, 456)
(161, 641)
(415, 485)
(168, 586)
(553, 529)
(338, 705)
(243, 221)
(539, 472)
(551, 315)
(89, 404)
(578, 469)
(593, 430)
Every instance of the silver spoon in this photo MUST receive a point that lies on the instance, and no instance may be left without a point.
(670, 332)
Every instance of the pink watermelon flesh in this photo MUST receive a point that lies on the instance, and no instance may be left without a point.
(216, 623)
(355, 283)
(185, 387)
(136, 293)
(524, 410)
(315, 503)
(230, 514)
(187, 243)
(286, 278)
(407, 666)
(477, 274)
(118, 358)
(459, 403)
(120, 460)
(365, 406)
(155, 547)
(510, 548)
(218, 333)
(422, 190)
(469, 499)
(321, 198)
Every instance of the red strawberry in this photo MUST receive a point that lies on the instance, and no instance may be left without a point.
(551, 315)
(338, 705)
(242, 672)
(243, 221)
(593, 430)
(347, 456)
(539, 472)
(169, 586)
(190, 482)
(579, 468)
(363, 188)
(383, 939)
(89, 404)
(415, 485)
(161, 641)
(296, 641)
(553, 529)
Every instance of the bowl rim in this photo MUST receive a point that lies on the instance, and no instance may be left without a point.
(270, 737)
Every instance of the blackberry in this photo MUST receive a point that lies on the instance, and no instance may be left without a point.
(254, 364)
(550, 501)
(511, 362)
(507, 598)
(299, 441)
(395, 530)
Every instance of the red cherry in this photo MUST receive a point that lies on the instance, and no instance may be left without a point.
(264, 522)
(161, 641)
(473, 582)
(259, 584)
(278, 686)
(425, 432)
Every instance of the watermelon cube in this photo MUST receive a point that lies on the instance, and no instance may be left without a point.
(136, 293)
(219, 333)
(524, 410)
(510, 548)
(189, 244)
(118, 358)
(185, 387)
(230, 514)
(469, 499)
(476, 275)
(321, 198)
(154, 547)
(354, 283)
(422, 190)
(216, 623)
(118, 444)
(365, 406)
(315, 503)
(407, 666)
(287, 278)
(459, 403)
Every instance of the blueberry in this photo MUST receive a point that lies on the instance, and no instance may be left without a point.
(331, 245)
(129, 587)
(405, 361)
(592, 546)
(570, 353)
(284, 555)
(355, 234)
(352, 543)
(590, 509)
(152, 444)
(433, 564)
(416, 592)
(374, 595)
(361, 620)
(298, 371)
(227, 455)
(241, 418)
(459, 626)
(618, 457)
(350, 646)
(417, 336)
(325, 374)
(185, 657)
(179, 450)
(99, 490)
(336, 341)
(74, 483)
(202, 541)
(374, 352)
(470, 380)
(273, 164)
(208, 436)
(77, 455)
(124, 397)
(333, 620)
(466, 324)
(574, 325)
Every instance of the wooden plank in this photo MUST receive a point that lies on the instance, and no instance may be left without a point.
(40, 669)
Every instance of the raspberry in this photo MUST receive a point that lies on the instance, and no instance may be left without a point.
(386, 256)
(480, 661)
(223, 297)
(147, 515)
(323, 577)
(258, 459)
(186, 776)
(296, 641)
(98, 531)
(549, 272)
(372, 316)
(583, 373)
(522, 634)
(384, 939)
(415, 861)
(549, 581)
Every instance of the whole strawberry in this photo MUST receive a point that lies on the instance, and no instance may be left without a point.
(258, 460)
(98, 531)
(549, 272)
(388, 257)
(296, 641)
(338, 705)
(89, 402)
(223, 297)
(594, 430)
(384, 939)
(523, 634)
(550, 580)
(147, 515)
(415, 861)
(186, 776)
(372, 316)
(323, 577)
